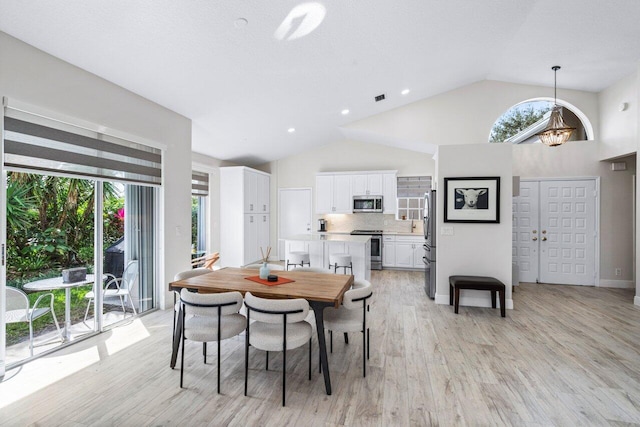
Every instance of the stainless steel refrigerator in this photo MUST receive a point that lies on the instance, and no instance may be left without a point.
(430, 233)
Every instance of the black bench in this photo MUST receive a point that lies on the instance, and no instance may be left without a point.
(479, 283)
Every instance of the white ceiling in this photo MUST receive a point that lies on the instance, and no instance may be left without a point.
(243, 88)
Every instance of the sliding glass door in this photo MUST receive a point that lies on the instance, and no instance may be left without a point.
(79, 235)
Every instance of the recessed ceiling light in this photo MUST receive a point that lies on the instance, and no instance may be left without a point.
(240, 23)
(291, 130)
(345, 112)
(406, 91)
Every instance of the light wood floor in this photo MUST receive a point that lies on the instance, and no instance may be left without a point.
(566, 355)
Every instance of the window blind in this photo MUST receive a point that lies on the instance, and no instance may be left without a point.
(199, 184)
(413, 186)
(37, 143)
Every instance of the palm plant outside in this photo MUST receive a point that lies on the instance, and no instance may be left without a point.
(50, 227)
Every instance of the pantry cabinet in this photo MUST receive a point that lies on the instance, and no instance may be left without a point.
(244, 215)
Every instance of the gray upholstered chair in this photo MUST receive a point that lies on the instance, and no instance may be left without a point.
(279, 325)
(351, 316)
(187, 274)
(18, 311)
(210, 317)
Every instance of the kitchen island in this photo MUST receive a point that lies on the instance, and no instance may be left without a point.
(320, 246)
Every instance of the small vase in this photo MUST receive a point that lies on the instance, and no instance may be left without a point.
(264, 271)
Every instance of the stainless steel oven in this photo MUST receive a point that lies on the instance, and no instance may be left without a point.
(376, 246)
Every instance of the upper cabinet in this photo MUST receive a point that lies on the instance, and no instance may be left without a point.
(367, 184)
(389, 193)
(333, 194)
(256, 191)
(335, 191)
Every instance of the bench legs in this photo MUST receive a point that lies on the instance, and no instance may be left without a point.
(454, 299)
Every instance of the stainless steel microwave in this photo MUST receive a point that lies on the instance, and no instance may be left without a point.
(367, 204)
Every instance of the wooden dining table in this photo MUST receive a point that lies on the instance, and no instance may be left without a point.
(319, 289)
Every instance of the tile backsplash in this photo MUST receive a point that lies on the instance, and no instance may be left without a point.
(368, 221)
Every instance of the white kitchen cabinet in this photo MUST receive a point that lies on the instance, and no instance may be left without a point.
(402, 251)
(262, 197)
(388, 251)
(389, 193)
(244, 227)
(333, 194)
(367, 184)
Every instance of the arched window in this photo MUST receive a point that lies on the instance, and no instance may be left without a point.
(521, 123)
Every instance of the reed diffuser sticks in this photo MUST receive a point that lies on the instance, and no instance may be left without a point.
(265, 258)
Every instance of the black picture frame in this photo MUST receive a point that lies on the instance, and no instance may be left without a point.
(472, 199)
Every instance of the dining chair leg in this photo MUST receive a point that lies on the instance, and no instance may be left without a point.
(182, 357)
(246, 355)
(346, 338)
(284, 373)
(218, 336)
(368, 343)
(331, 341)
(309, 359)
(218, 364)
(204, 352)
(267, 360)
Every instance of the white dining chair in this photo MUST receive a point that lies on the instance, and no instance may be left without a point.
(210, 317)
(187, 274)
(19, 311)
(351, 316)
(279, 325)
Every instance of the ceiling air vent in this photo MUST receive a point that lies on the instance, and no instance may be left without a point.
(380, 98)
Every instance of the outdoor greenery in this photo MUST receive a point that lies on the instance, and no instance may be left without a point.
(50, 227)
(515, 120)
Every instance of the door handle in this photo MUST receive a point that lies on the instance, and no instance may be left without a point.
(534, 239)
(544, 239)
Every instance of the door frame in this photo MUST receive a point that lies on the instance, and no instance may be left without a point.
(596, 180)
(279, 229)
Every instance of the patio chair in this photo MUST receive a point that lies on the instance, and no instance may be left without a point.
(118, 287)
(18, 311)
(206, 261)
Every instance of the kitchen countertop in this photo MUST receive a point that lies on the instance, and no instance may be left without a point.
(330, 237)
(390, 233)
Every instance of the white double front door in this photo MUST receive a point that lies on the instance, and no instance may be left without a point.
(555, 231)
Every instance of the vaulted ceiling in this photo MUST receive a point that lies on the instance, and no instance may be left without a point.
(247, 71)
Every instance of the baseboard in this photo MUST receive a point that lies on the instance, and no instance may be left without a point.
(608, 283)
(636, 300)
(475, 301)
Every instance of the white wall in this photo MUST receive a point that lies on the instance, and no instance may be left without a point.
(464, 115)
(475, 249)
(37, 78)
(212, 165)
(619, 129)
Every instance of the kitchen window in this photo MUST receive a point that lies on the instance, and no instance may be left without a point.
(411, 190)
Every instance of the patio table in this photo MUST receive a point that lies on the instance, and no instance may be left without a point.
(57, 283)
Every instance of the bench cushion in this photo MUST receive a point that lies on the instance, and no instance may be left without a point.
(481, 283)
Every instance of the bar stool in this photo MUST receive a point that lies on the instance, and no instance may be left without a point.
(337, 261)
(298, 258)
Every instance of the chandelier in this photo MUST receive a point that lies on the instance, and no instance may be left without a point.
(557, 132)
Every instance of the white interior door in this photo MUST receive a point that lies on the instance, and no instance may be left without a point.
(294, 214)
(526, 231)
(568, 232)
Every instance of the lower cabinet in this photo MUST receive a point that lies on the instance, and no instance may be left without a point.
(402, 251)
(256, 237)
